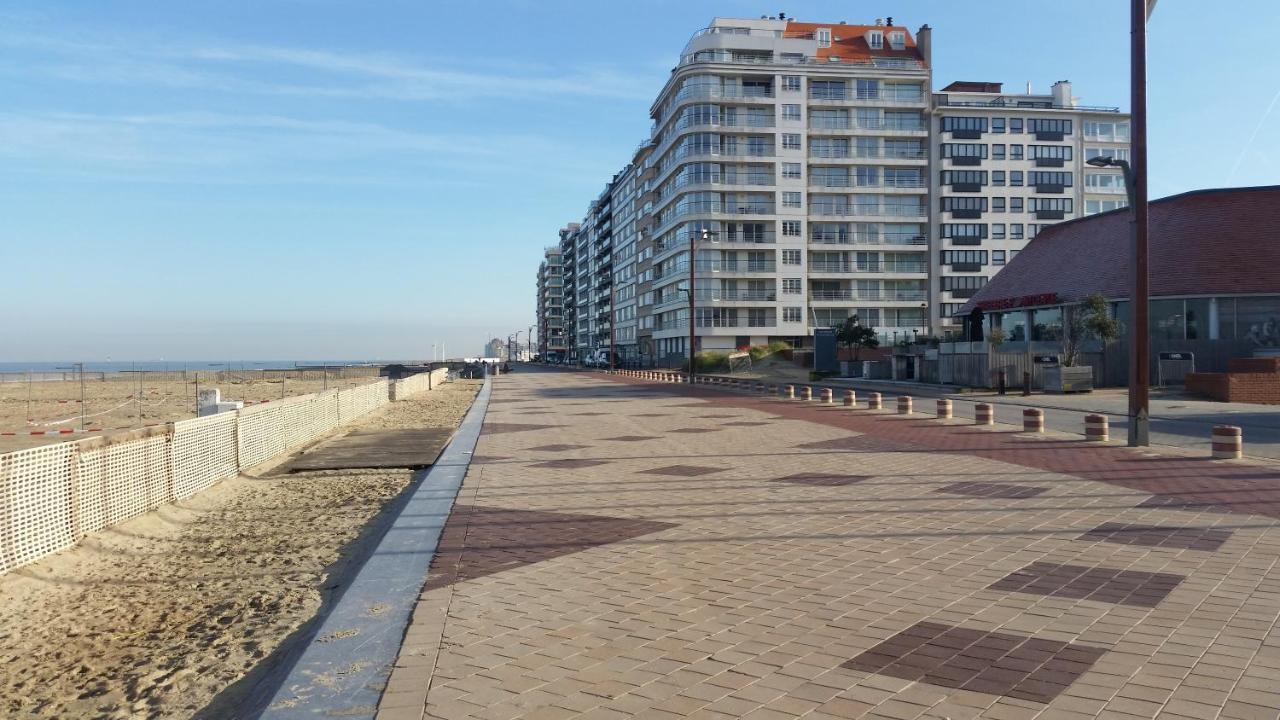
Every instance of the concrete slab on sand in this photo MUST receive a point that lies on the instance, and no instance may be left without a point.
(403, 448)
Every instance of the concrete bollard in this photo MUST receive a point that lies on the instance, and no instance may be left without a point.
(826, 396)
(944, 409)
(1228, 442)
(873, 401)
(850, 398)
(789, 392)
(806, 393)
(1096, 428)
(904, 404)
(984, 414)
(1033, 420)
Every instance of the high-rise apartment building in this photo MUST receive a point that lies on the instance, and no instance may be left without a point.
(1006, 166)
(551, 339)
(812, 174)
(792, 158)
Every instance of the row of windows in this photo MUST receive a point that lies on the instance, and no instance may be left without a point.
(995, 231)
(949, 123)
(1000, 151)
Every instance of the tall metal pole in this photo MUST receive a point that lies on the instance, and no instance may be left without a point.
(692, 254)
(1139, 339)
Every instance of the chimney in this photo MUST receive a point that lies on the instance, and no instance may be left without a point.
(782, 16)
(924, 43)
(1062, 94)
(889, 21)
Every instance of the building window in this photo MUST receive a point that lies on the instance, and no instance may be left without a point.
(1054, 125)
(997, 125)
(997, 231)
(868, 89)
(1059, 204)
(791, 170)
(951, 204)
(1015, 178)
(791, 228)
(997, 204)
(997, 178)
(897, 40)
(1107, 131)
(875, 39)
(950, 123)
(791, 199)
(1015, 152)
(791, 83)
(964, 257)
(1093, 207)
(1015, 125)
(790, 112)
(997, 257)
(1117, 153)
(791, 286)
(791, 314)
(964, 230)
(963, 282)
(1104, 182)
(1015, 205)
(790, 141)
(1052, 152)
(997, 152)
(791, 257)
(823, 36)
(1015, 231)
(950, 150)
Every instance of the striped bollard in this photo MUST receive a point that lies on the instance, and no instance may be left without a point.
(904, 404)
(789, 392)
(1228, 442)
(826, 396)
(850, 398)
(1096, 428)
(806, 393)
(873, 401)
(944, 409)
(1033, 420)
(984, 414)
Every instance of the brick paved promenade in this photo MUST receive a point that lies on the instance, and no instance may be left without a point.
(622, 549)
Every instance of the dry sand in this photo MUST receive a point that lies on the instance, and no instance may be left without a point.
(113, 403)
(158, 616)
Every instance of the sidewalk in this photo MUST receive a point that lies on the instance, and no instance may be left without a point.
(630, 550)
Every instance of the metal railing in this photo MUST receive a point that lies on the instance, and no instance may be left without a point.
(866, 210)
(844, 182)
(854, 266)
(944, 100)
(825, 123)
(852, 238)
(737, 295)
(886, 295)
(845, 152)
(741, 150)
(878, 95)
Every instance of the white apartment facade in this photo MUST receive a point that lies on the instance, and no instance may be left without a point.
(1007, 165)
(550, 304)
(795, 157)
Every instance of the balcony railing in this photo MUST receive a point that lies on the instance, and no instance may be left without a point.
(749, 266)
(688, 151)
(844, 152)
(696, 208)
(881, 182)
(943, 99)
(865, 210)
(735, 179)
(892, 95)
(739, 121)
(843, 123)
(737, 295)
(701, 92)
(885, 295)
(852, 238)
(854, 266)
(736, 322)
(681, 240)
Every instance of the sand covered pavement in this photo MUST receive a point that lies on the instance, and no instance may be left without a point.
(165, 614)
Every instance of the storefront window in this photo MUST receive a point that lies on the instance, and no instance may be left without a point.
(1046, 324)
(1167, 320)
(1258, 321)
(1197, 311)
(1014, 325)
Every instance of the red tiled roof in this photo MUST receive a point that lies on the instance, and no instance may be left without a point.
(1207, 242)
(852, 40)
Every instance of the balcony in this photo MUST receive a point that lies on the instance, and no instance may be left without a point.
(681, 240)
(884, 295)
(884, 266)
(691, 151)
(767, 321)
(866, 210)
(850, 238)
(878, 95)
(844, 123)
(854, 182)
(737, 295)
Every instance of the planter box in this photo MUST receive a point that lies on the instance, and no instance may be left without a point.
(1068, 379)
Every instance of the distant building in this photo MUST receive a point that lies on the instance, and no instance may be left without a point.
(495, 348)
(550, 305)
(1008, 166)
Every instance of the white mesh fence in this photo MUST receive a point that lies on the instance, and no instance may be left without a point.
(52, 496)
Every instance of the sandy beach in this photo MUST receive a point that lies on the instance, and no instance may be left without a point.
(116, 404)
(165, 614)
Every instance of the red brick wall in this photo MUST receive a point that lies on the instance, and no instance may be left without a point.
(1247, 387)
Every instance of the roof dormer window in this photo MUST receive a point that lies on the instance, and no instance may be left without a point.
(875, 39)
(823, 36)
(898, 40)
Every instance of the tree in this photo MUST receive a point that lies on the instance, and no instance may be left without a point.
(855, 336)
(1088, 320)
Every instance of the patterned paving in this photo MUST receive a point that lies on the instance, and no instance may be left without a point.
(818, 563)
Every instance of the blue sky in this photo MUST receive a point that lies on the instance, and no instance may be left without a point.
(321, 178)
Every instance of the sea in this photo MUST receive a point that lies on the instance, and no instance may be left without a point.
(153, 365)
